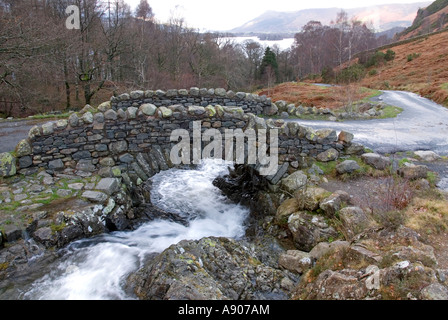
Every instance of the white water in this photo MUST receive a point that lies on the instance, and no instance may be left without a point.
(96, 269)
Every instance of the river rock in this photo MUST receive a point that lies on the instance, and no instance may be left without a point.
(207, 269)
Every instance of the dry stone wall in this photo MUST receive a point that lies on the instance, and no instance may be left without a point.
(130, 137)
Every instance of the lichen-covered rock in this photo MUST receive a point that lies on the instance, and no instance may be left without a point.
(295, 181)
(295, 261)
(435, 291)
(103, 107)
(308, 230)
(7, 165)
(355, 219)
(148, 109)
(310, 198)
(207, 269)
(73, 120)
(336, 285)
(23, 148)
(287, 208)
(87, 117)
(328, 155)
(165, 112)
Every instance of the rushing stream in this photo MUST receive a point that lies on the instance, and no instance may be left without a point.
(97, 268)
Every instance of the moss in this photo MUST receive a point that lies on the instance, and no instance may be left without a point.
(4, 266)
(391, 112)
(58, 227)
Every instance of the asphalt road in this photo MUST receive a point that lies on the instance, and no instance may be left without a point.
(423, 125)
(11, 132)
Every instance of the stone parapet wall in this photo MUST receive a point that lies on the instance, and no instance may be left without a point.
(134, 142)
(250, 103)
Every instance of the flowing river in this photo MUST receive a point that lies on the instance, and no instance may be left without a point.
(97, 268)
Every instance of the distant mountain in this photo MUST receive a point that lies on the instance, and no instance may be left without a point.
(383, 17)
(429, 19)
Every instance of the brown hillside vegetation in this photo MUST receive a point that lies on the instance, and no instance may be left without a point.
(311, 95)
(420, 66)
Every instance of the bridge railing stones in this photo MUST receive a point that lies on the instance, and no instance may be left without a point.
(250, 103)
(129, 136)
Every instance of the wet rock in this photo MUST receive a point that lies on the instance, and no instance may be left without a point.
(207, 269)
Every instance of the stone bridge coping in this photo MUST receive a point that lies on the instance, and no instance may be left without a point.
(193, 92)
(91, 116)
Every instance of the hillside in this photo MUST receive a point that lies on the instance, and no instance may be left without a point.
(430, 19)
(420, 66)
(384, 17)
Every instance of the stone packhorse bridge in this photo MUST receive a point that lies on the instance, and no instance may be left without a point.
(129, 136)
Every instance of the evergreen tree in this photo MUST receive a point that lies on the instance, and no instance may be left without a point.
(269, 62)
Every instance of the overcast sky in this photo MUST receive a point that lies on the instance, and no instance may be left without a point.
(228, 14)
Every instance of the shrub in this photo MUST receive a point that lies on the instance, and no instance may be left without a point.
(390, 55)
(413, 56)
(354, 73)
(377, 58)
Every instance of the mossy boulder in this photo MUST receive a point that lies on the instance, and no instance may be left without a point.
(7, 165)
(23, 148)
